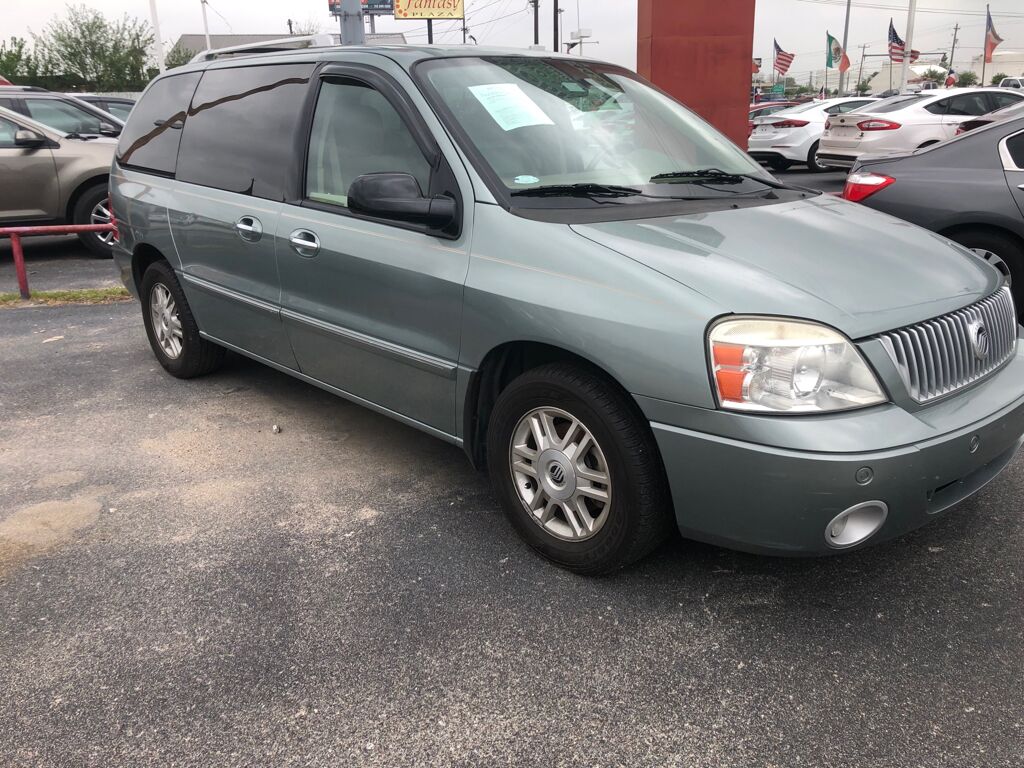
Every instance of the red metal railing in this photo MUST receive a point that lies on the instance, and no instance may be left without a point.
(16, 233)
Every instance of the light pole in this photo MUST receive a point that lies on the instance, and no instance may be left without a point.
(157, 42)
(908, 44)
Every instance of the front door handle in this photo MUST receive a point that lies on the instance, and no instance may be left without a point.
(305, 243)
(249, 229)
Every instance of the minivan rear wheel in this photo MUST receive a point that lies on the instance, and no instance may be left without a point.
(171, 328)
(576, 469)
(92, 207)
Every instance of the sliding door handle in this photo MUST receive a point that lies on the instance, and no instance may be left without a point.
(249, 228)
(305, 243)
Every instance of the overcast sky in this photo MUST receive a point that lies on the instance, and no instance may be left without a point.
(799, 25)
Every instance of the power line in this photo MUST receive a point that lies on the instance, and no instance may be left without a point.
(920, 9)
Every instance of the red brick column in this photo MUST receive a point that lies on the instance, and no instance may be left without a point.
(699, 51)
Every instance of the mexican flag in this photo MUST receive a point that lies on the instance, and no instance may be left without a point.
(835, 56)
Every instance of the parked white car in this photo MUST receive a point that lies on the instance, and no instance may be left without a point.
(791, 136)
(906, 122)
(1012, 82)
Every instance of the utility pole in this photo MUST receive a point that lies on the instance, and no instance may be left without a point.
(157, 42)
(430, 31)
(860, 74)
(558, 43)
(290, 32)
(909, 44)
(536, 21)
(952, 51)
(846, 36)
(352, 32)
(206, 25)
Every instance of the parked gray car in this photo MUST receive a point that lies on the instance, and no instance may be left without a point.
(970, 189)
(550, 263)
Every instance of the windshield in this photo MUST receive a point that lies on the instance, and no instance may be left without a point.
(546, 123)
(893, 103)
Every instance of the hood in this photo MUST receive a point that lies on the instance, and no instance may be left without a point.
(823, 259)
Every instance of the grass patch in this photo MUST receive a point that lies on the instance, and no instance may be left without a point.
(75, 296)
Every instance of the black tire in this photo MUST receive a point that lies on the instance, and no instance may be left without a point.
(639, 512)
(812, 161)
(779, 164)
(82, 214)
(197, 356)
(1007, 249)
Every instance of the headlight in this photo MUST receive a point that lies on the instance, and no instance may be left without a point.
(768, 365)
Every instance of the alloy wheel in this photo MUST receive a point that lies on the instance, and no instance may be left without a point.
(101, 215)
(166, 323)
(560, 474)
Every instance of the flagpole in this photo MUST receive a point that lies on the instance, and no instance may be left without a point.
(846, 36)
(984, 47)
(908, 44)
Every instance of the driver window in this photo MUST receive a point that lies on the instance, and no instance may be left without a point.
(7, 131)
(357, 131)
(62, 116)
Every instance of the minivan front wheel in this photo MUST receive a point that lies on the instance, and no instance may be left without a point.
(171, 328)
(576, 469)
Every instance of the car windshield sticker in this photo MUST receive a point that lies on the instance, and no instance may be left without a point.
(509, 106)
(525, 180)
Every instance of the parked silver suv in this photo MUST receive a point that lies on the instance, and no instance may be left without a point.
(557, 267)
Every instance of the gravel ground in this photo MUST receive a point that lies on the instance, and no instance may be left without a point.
(179, 585)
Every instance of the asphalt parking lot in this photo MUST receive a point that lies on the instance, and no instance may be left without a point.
(182, 585)
(55, 263)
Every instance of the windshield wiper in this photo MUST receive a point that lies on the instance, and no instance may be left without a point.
(577, 190)
(698, 176)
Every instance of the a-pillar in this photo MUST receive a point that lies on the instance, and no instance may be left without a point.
(700, 52)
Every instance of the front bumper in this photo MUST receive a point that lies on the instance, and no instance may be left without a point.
(779, 500)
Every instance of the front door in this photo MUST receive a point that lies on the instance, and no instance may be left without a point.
(29, 190)
(372, 308)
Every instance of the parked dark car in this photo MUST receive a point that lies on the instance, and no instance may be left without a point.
(63, 113)
(118, 106)
(1006, 113)
(970, 189)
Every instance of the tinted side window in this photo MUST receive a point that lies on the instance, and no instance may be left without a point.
(940, 107)
(357, 131)
(62, 116)
(1000, 100)
(150, 139)
(241, 127)
(7, 131)
(968, 104)
(1015, 146)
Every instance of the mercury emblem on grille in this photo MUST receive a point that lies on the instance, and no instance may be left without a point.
(979, 338)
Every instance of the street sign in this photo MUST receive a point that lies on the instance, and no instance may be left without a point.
(429, 9)
(779, 88)
(370, 7)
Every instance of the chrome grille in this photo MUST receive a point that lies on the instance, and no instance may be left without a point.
(940, 356)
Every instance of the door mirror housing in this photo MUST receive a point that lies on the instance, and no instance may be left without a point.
(106, 129)
(397, 196)
(28, 139)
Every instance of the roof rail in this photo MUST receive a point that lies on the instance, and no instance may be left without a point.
(268, 46)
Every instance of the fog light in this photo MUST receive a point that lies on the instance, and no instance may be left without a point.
(856, 524)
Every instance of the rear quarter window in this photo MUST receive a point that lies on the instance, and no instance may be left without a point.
(241, 129)
(150, 139)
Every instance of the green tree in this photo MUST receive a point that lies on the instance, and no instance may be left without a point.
(178, 55)
(87, 48)
(966, 79)
(16, 61)
(865, 85)
(997, 78)
(934, 75)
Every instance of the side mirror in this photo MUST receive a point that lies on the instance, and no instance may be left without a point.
(28, 139)
(397, 196)
(106, 129)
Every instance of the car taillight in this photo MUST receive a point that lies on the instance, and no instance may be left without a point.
(790, 124)
(860, 186)
(878, 125)
(828, 124)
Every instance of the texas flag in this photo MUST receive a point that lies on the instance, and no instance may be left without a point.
(992, 39)
(951, 78)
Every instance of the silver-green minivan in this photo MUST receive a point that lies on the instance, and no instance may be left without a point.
(553, 264)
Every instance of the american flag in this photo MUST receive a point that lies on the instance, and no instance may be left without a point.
(897, 47)
(783, 60)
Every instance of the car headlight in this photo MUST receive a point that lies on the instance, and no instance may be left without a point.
(769, 365)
